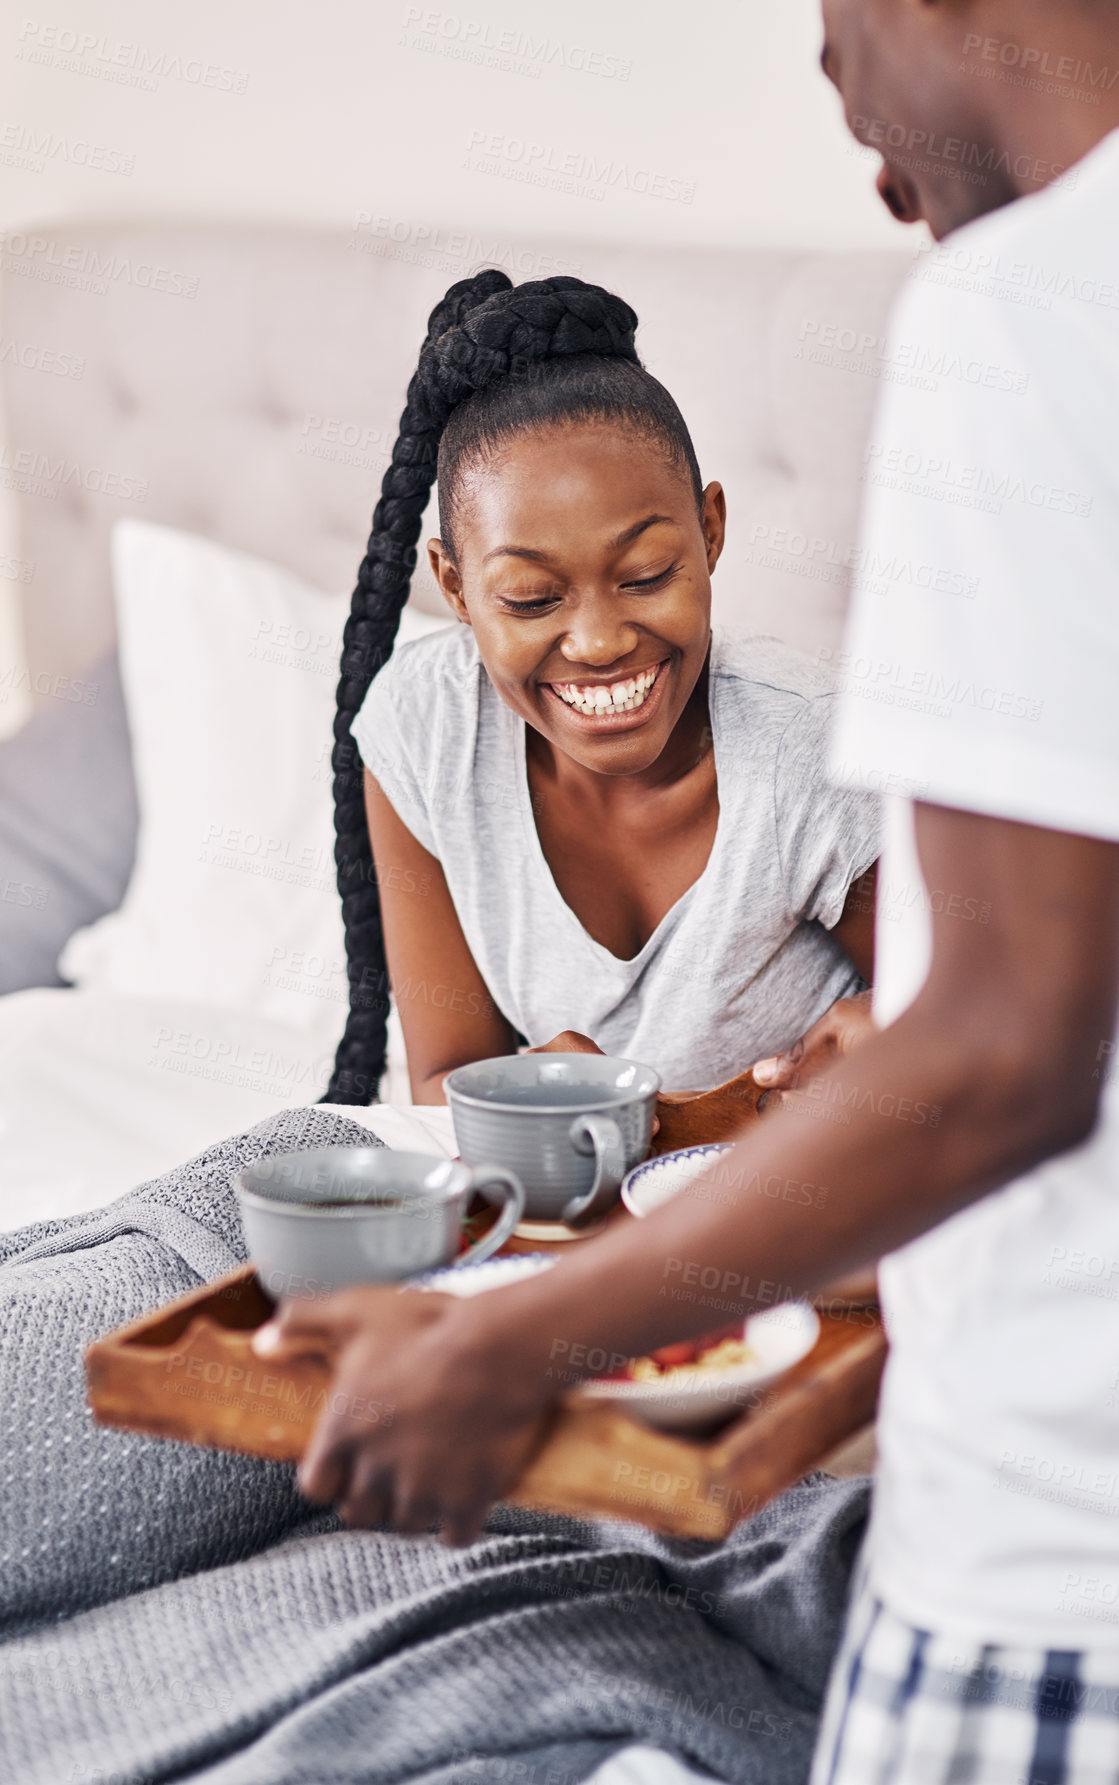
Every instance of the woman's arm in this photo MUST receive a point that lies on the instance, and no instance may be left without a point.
(855, 930)
(849, 1022)
(446, 1011)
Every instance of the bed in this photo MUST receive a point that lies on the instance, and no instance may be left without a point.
(195, 436)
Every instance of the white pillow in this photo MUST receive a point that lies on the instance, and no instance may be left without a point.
(230, 670)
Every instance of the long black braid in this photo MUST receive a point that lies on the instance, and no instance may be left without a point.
(497, 360)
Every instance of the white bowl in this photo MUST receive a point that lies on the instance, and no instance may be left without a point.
(647, 1186)
(690, 1400)
(779, 1339)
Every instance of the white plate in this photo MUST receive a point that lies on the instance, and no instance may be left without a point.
(779, 1339)
(647, 1186)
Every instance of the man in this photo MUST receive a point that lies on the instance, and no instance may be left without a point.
(981, 677)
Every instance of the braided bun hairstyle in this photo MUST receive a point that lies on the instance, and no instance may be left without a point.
(497, 360)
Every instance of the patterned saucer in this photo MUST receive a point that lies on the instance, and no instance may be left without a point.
(490, 1273)
(647, 1186)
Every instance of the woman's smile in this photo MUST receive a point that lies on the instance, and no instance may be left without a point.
(614, 705)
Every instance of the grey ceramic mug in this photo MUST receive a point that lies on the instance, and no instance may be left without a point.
(569, 1125)
(324, 1220)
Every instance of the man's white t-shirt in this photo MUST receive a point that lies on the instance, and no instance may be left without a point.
(981, 672)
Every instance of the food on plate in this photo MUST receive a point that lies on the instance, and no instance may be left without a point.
(725, 1349)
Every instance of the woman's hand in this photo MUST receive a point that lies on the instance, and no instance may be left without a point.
(571, 1042)
(837, 1033)
(428, 1421)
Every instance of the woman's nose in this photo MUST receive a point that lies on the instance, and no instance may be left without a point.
(597, 636)
(899, 195)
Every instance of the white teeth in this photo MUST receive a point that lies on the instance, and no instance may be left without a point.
(615, 697)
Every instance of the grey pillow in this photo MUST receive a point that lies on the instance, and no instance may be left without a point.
(68, 824)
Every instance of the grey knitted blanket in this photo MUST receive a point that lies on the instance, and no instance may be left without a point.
(172, 1613)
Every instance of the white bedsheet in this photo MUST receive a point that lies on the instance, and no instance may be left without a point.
(646, 1766)
(100, 1092)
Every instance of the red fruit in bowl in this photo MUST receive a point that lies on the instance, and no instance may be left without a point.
(685, 1351)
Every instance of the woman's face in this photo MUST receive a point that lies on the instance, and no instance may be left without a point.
(585, 571)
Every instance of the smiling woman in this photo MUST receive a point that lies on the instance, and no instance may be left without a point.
(588, 814)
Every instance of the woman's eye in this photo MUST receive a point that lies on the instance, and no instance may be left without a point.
(652, 582)
(535, 606)
(539, 604)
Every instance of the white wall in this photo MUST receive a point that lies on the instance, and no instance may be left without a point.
(637, 120)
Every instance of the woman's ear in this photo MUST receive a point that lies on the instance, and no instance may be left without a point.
(714, 522)
(445, 571)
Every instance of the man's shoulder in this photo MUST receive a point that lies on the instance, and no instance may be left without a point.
(1026, 262)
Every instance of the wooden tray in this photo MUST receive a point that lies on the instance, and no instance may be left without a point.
(187, 1371)
(696, 1118)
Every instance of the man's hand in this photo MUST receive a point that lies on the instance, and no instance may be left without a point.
(427, 1423)
(835, 1035)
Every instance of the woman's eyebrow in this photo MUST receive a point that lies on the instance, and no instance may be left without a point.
(517, 551)
(635, 532)
(626, 538)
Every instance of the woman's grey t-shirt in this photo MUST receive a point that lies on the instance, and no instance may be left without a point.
(741, 964)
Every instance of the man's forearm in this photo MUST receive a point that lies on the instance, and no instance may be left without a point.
(911, 1128)
(1006, 1037)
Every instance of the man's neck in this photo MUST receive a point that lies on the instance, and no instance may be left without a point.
(1064, 97)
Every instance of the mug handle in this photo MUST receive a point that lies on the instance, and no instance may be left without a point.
(514, 1200)
(602, 1136)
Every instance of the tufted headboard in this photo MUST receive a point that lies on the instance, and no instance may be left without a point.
(244, 383)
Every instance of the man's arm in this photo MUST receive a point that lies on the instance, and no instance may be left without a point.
(1005, 1039)
(1003, 1044)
